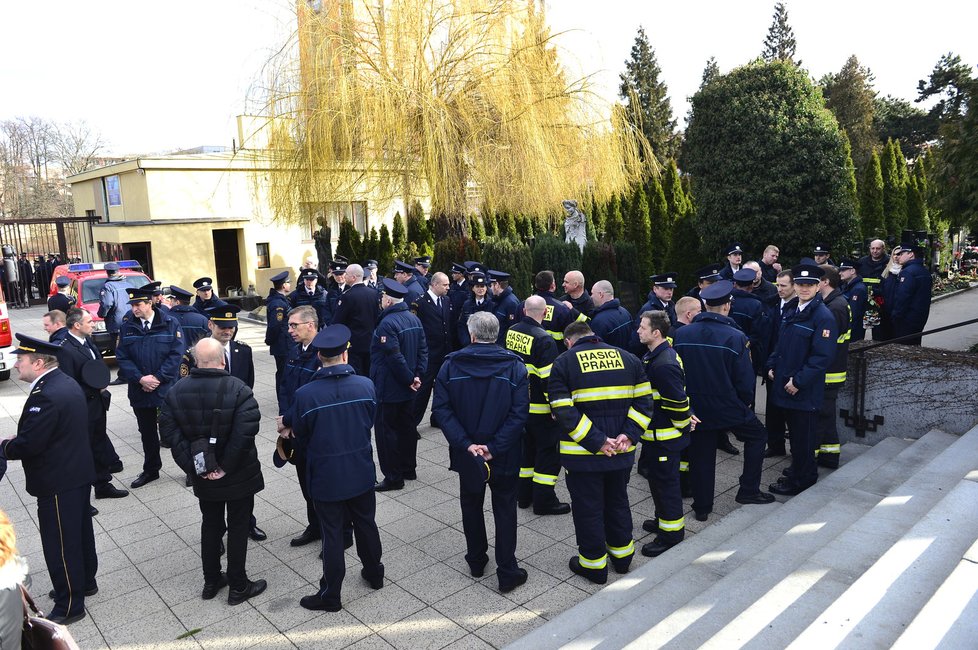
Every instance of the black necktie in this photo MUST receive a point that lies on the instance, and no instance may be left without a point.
(91, 349)
(145, 325)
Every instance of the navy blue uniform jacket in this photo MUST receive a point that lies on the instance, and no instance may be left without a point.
(203, 305)
(613, 324)
(331, 420)
(300, 367)
(437, 324)
(805, 349)
(482, 397)
(193, 324)
(277, 324)
(507, 312)
(157, 352)
(754, 320)
(719, 375)
(52, 446)
(856, 293)
(318, 301)
(670, 406)
(398, 354)
(468, 308)
(911, 300)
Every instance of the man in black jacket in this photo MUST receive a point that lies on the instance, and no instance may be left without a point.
(210, 420)
(357, 308)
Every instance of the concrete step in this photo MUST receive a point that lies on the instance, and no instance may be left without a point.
(747, 599)
(884, 600)
(623, 611)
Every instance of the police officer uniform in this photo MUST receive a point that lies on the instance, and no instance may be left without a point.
(276, 323)
(823, 249)
(336, 289)
(826, 433)
(774, 420)
(315, 297)
(58, 465)
(856, 294)
(413, 286)
(720, 384)
(113, 299)
(507, 305)
(752, 318)
(598, 392)
(805, 350)
(357, 308)
(705, 276)
(398, 355)
(192, 322)
(652, 303)
(423, 278)
(61, 301)
(202, 284)
(541, 465)
(727, 272)
(613, 324)
(149, 348)
(458, 291)
(473, 304)
(435, 314)
(332, 417)
(911, 300)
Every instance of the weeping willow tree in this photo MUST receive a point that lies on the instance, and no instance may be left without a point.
(462, 102)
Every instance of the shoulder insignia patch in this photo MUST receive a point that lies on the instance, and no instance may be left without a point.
(34, 409)
(826, 334)
(383, 339)
(280, 315)
(184, 370)
(178, 334)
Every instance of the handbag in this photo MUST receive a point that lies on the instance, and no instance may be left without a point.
(41, 634)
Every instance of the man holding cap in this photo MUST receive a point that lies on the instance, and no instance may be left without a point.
(205, 295)
(150, 348)
(720, 384)
(59, 469)
(806, 347)
(398, 360)
(332, 417)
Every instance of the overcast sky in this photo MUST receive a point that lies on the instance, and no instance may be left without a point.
(161, 76)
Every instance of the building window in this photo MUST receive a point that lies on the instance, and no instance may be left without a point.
(113, 192)
(264, 259)
(333, 212)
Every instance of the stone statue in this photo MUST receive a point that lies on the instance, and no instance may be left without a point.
(575, 225)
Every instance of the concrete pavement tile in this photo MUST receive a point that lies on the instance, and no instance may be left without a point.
(118, 517)
(148, 549)
(435, 583)
(424, 497)
(425, 630)
(181, 587)
(372, 642)
(403, 561)
(443, 544)
(475, 606)
(529, 542)
(384, 607)
(326, 630)
(134, 533)
(142, 604)
(117, 583)
(553, 526)
(509, 627)
(447, 512)
(196, 612)
(537, 583)
(410, 529)
(245, 629)
(162, 628)
(390, 510)
(553, 559)
(557, 600)
(281, 580)
(471, 642)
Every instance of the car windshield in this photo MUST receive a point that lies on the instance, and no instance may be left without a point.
(92, 287)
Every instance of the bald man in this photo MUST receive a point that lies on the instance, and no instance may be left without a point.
(575, 294)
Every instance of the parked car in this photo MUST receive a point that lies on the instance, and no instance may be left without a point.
(6, 340)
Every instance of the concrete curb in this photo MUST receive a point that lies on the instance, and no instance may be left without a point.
(951, 294)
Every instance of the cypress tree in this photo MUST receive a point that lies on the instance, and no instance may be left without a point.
(399, 235)
(638, 229)
(595, 217)
(851, 189)
(507, 227)
(476, 231)
(614, 226)
(371, 246)
(661, 226)
(489, 223)
(348, 244)
(916, 207)
(673, 188)
(647, 98)
(871, 200)
(684, 255)
(385, 251)
(894, 191)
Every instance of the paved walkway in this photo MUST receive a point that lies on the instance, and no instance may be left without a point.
(954, 309)
(149, 552)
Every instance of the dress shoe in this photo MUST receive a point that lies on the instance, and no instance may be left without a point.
(557, 508)
(510, 585)
(92, 510)
(596, 576)
(115, 467)
(143, 479)
(701, 516)
(524, 503)
(650, 525)
(189, 481)
(478, 570)
(724, 444)
(307, 536)
(257, 534)
(375, 583)
(118, 381)
(236, 597)
(67, 620)
(759, 499)
(774, 453)
(387, 485)
(164, 444)
(786, 487)
(211, 588)
(110, 492)
(655, 548)
(317, 604)
(88, 592)
(409, 475)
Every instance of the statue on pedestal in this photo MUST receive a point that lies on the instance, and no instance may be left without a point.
(575, 225)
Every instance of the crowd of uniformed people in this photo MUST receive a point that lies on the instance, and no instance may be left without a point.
(521, 389)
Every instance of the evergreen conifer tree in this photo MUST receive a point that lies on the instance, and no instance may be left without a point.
(779, 44)
(673, 188)
(851, 186)
(371, 246)
(917, 218)
(851, 98)
(871, 200)
(661, 226)
(595, 217)
(476, 230)
(399, 235)
(489, 223)
(507, 227)
(647, 98)
(348, 244)
(638, 228)
(614, 226)
(385, 252)
(894, 191)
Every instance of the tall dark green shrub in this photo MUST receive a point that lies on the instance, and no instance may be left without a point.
(489, 223)
(454, 250)
(551, 253)
(894, 189)
(511, 256)
(507, 226)
(660, 236)
(385, 252)
(349, 245)
(630, 279)
(418, 231)
(614, 225)
(637, 228)
(371, 246)
(398, 234)
(476, 231)
(598, 263)
(871, 217)
(685, 255)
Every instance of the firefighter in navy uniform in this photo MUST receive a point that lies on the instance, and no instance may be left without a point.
(507, 304)
(666, 437)
(609, 319)
(192, 322)
(276, 326)
(541, 465)
(310, 292)
(827, 434)
(856, 293)
(705, 276)
(205, 295)
(805, 349)
(720, 384)
(558, 316)
(752, 317)
(603, 403)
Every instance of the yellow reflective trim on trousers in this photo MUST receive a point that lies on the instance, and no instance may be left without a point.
(640, 419)
(643, 389)
(672, 525)
(622, 551)
(602, 393)
(581, 430)
(526, 472)
(835, 377)
(544, 479)
(830, 449)
(655, 394)
(871, 280)
(600, 563)
(683, 466)
(572, 449)
(564, 401)
(539, 408)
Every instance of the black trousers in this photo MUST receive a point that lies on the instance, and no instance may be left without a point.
(103, 452)
(280, 361)
(360, 362)
(212, 528)
(423, 395)
(503, 489)
(703, 459)
(397, 439)
(802, 425)
(333, 518)
(602, 518)
(827, 431)
(300, 469)
(147, 422)
(68, 541)
(541, 462)
(661, 467)
(774, 422)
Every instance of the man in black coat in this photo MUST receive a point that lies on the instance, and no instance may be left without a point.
(434, 309)
(59, 469)
(357, 308)
(80, 359)
(210, 406)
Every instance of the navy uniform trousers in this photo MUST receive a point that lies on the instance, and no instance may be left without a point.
(601, 513)
(827, 432)
(503, 489)
(397, 439)
(703, 460)
(68, 540)
(334, 517)
(774, 422)
(541, 463)
(147, 421)
(661, 467)
(803, 472)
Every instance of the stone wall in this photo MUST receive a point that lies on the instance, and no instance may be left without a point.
(915, 390)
